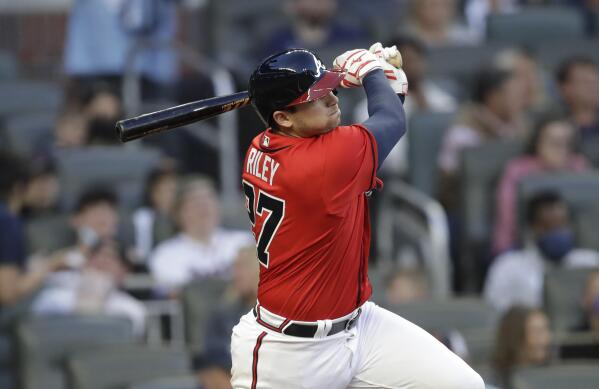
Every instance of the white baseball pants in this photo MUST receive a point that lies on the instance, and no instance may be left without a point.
(382, 350)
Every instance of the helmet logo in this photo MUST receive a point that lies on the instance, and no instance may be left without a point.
(266, 141)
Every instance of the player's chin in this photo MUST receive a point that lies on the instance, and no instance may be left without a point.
(335, 118)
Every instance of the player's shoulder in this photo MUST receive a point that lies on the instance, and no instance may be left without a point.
(343, 137)
(357, 129)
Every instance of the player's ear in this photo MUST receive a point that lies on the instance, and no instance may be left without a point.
(283, 119)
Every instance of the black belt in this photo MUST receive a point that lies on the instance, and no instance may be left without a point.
(303, 330)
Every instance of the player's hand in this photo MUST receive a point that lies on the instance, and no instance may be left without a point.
(357, 64)
(391, 62)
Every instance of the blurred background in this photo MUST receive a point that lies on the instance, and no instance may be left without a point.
(127, 265)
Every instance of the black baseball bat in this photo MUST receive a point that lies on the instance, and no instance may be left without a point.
(169, 118)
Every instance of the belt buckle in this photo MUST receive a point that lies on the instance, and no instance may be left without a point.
(350, 323)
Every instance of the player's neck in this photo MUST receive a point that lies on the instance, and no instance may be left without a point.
(288, 132)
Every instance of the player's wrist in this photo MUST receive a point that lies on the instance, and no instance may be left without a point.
(376, 73)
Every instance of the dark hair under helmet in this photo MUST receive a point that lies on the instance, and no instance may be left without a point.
(289, 78)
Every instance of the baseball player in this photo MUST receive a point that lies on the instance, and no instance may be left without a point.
(306, 181)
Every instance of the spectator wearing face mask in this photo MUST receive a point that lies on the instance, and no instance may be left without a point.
(516, 277)
(552, 148)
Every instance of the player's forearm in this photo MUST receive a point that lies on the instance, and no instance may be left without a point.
(387, 121)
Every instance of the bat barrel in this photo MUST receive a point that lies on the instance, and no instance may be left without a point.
(159, 121)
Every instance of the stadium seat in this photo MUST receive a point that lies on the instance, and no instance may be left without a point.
(577, 346)
(26, 131)
(462, 314)
(6, 361)
(5, 349)
(590, 148)
(572, 376)
(461, 64)
(119, 367)
(562, 295)
(481, 169)
(552, 53)
(8, 65)
(480, 343)
(122, 169)
(42, 343)
(26, 96)
(586, 226)
(473, 318)
(535, 24)
(181, 382)
(49, 233)
(377, 17)
(236, 26)
(199, 298)
(426, 135)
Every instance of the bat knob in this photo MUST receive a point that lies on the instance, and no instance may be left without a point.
(120, 131)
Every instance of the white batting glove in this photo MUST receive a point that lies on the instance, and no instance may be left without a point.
(357, 64)
(391, 61)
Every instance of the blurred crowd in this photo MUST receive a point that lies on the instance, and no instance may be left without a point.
(89, 226)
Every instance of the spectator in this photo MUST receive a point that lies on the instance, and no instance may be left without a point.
(523, 64)
(516, 277)
(42, 191)
(16, 281)
(101, 33)
(214, 363)
(411, 285)
(588, 326)
(94, 289)
(69, 131)
(590, 303)
(550, 149)
(213, 369)
(102, 108)
(477, 13)
(589, 10)
(312, 26)
(202, 248)
(406, 286)
(435, 23)
(425, 96)
(496, 113)
(153, 221)
(578, 82)
(523, 340)
(95, 218)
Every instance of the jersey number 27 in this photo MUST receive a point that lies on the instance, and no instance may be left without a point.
(256, 204)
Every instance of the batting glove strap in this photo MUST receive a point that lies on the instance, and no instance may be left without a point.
(396, 76)
(397, 79)
(357, 64)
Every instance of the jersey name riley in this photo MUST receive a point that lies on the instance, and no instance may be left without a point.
(261, 166)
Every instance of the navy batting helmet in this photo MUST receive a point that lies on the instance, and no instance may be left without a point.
(289, 78)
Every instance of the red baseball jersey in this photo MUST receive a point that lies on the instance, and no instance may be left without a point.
(307, 204)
